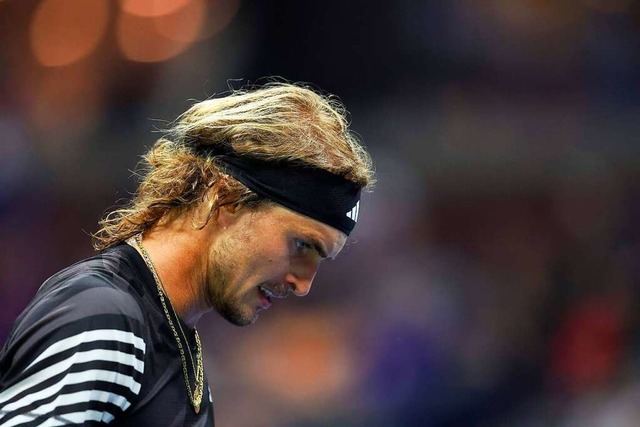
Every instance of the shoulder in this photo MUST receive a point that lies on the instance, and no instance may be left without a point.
(94, 296)
(103, 284)
(79, 347)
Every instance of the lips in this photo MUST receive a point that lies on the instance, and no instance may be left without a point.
(265, 300)
(267, 293)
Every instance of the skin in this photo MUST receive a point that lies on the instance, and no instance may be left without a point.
(224, 265)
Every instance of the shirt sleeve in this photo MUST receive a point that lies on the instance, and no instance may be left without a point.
(76, 357)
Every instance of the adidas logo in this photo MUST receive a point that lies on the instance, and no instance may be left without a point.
(353, 213)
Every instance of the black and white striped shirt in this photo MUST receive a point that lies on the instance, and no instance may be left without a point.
(94, 347)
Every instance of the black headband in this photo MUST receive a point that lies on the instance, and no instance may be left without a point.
(316, 193)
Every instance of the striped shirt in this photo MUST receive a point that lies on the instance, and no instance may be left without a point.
(94, 347)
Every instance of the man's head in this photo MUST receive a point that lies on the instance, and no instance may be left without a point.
(240, 160)
(260, 254)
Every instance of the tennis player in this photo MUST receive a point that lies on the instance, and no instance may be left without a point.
(237, 205)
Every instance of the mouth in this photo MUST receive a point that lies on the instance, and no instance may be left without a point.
(267, 294)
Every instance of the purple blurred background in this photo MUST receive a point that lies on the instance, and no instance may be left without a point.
(495, 277)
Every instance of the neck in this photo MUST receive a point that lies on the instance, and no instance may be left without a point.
(176, 254)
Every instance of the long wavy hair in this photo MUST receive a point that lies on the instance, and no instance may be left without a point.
(276, 122)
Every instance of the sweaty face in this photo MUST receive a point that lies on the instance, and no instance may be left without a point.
(264, 254)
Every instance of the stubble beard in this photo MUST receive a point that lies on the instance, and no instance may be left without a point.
(227, 305)
(232, 311)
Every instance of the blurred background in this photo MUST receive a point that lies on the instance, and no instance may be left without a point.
(493, 279)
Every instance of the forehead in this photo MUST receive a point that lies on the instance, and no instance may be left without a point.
(281, 218)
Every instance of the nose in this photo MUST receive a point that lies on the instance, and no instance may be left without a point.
(300, 283)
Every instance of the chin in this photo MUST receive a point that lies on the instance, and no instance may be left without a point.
(232, 310)
(242, 321)
(237, 315)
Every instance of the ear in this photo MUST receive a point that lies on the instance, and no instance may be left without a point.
(227, 215)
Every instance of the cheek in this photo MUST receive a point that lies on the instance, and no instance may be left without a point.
(253, 259)
(272, 253)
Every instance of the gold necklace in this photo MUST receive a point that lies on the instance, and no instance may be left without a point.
(196, 396)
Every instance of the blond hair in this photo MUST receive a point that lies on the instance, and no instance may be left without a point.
(277, 122)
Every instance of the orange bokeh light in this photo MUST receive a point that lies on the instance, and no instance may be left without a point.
(308, 360)
(65, 31)
(185, 24)
(150, 8)
(140, 38)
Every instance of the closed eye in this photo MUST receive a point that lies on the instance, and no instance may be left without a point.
(303, 246)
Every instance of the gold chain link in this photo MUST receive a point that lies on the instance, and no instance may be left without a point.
(196, 396)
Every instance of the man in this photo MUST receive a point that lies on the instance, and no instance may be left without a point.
(237, 205)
